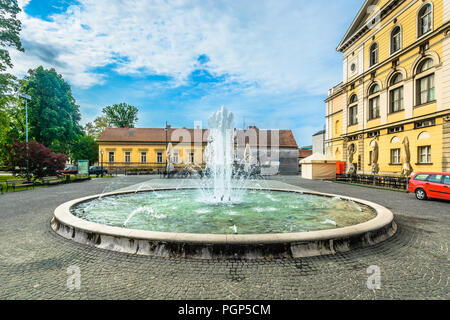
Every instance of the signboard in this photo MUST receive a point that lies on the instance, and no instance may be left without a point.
(83, 167)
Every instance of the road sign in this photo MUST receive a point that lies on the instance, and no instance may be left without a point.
(83, 167)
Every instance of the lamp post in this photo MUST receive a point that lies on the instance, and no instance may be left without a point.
(27, 98)
(101, 161)
(166, 129)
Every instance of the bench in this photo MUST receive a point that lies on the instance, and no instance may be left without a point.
(52, 180)
(18, 183)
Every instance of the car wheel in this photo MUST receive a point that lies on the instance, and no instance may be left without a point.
(421, 194)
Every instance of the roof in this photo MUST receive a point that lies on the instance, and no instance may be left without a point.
(177, 135)
(303, 153)
(319, 133)
(368, 16)
(318, 158)
(145, 135)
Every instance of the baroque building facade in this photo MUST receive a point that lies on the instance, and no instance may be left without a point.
(395, 92)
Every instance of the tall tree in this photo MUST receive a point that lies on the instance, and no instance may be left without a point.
(95, 129)
(121, 115)
(85, 149)
(53, 114)
(10, 28)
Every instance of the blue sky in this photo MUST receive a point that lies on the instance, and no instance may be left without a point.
(269, 61)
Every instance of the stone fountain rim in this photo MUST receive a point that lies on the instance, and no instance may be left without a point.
(63, 216)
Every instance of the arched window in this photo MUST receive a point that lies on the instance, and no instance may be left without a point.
(353, 110)
(397, 78)
(373, 54)
(396, 40)
(396, 93)
(425, 90)
(425, 23)
(374, 102)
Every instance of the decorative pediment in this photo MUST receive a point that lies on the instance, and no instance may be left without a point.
(367, 18)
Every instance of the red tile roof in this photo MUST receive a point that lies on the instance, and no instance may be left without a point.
(304, 153)
(155, 135)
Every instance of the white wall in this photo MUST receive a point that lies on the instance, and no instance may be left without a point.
(446, 10)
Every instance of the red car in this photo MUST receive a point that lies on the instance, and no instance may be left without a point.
(430, 185)
(68, 170)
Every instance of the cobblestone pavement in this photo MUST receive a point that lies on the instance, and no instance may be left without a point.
(34, 260)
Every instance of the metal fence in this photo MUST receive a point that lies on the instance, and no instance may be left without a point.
(138, 168)
(400, 183)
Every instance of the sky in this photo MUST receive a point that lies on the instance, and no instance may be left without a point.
(271, 62)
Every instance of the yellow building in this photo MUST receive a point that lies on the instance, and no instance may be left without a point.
(396, 84)
(145, 148)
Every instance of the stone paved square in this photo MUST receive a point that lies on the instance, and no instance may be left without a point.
(414, 263)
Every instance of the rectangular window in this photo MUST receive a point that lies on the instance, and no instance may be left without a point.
(111, 157)
(424, 154)
(127, 157)
(396, 100)
(353, 115)
(425, 89)
(395, 156)
(175, 157)
(374, 108)
(370, 157)
(426, 23)
(159, 157)
(436, 178)
(143, 157)
(421, 177)
(425, 123)
(446, 180)
(373, 134)
(396, 129)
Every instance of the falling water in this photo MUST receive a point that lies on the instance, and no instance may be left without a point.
(220, 154)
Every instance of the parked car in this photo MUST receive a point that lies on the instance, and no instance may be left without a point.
(97, 170)
(430, 185)
(68, 170)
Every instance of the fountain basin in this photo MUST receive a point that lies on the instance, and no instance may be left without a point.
(213, 246)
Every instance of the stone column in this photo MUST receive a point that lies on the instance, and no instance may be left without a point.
(446, 144)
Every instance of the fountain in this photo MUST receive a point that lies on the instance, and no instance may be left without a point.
(227, 215)
(220, 154)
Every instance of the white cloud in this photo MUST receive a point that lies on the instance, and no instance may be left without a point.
(275, 46)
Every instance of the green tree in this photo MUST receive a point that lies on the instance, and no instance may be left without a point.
(95, 129)
(121, 115)
(53, 114)
(86, 148)
(10, 28)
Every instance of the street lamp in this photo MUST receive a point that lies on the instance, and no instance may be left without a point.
(27, 98)
(165, 170)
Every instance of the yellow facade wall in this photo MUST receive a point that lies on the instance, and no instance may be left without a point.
(152, 150)
(408, 59)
